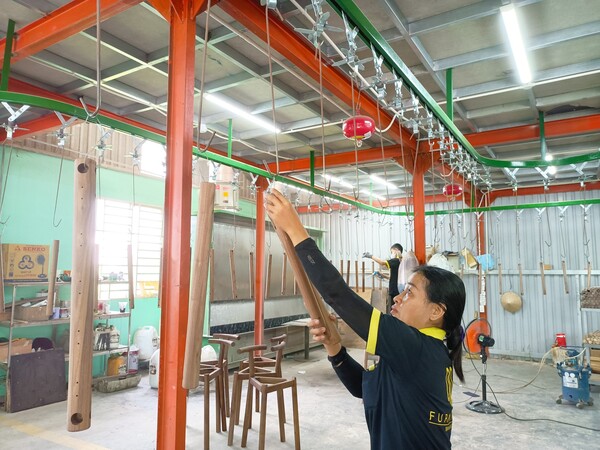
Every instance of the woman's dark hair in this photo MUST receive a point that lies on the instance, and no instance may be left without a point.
(446, 288)
(397, 246)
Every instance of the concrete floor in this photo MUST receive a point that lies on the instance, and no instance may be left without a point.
(329, 416)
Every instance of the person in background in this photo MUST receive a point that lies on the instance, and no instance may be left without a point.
(393, 264)
(407, 396)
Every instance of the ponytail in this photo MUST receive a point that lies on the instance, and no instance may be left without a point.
(454, 343)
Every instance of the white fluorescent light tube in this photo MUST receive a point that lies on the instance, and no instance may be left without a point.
(372, 194)
(382, 182)
(339, 181)
(240, 112)
(509, 17)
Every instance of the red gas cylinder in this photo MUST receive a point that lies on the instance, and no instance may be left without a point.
(358, 128)
(561, 340)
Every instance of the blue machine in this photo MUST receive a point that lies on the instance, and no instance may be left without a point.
(575, 375)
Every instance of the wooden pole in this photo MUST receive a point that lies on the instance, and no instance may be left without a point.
(234, 291)
(130, 281)
(312, 301)
(79, 400)
(52, 278)
(348, 272)
(589, 275)
(251, 271)
(268, 277)
(543, 277)
(200, 266)
(342, 267)
(500, 278)
(363, 276)
(356, 274)
(521, 290)
(284, 274)
(565, 278)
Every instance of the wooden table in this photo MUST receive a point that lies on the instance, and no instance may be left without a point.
(302, 323)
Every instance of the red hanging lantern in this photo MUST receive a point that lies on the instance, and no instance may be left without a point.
(452, 190)
(358, 128)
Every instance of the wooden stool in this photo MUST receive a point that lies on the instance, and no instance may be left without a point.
(223, 357)
(207, 374)
(244, 374)
(264, 386)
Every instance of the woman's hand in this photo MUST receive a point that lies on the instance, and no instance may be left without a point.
(284, 216)
(319, 334)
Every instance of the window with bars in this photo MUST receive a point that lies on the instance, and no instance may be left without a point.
(119, 224)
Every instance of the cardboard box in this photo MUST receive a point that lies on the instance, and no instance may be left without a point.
(31, 313)
(19, 346)
(595, 360)
(25, 262)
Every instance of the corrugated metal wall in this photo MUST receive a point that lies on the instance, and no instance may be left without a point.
(525, 236)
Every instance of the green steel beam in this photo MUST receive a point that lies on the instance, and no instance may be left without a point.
(591, 201)
(8, 45)
(372, 37)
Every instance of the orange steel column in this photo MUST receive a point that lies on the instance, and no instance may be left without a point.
(419, 211)
(259, 273)
(171, 423)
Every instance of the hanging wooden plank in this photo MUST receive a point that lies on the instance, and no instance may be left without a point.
(521, 290)
(565, 278)
(372, 277)
(79, 401)
(130, 280)
(543, 277)
(200, 267)
(363, 276)
(52, 278)
(268, 277)
(342, 267)
(251, 271)
(211, 268)
(500, 278)
(234, 291)
(589, 275)
(312, 301)
(284, 274)
(348, 272)
(356, 274)
(96, 275)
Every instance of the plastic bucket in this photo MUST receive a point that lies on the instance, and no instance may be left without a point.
(561, 340)
(132, 359)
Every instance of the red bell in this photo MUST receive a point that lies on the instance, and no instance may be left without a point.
(358, 128)
(452, 190)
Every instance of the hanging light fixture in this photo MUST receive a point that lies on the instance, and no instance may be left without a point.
(358, 128)
(452, 190)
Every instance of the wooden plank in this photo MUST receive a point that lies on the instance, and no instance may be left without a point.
(79, 402)
(130, 280)
(312, 301)
(200, 267)
(284, 274)
(251, 272)
(234, 291)
(52, 278)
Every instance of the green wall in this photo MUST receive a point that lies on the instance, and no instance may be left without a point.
(28, 211)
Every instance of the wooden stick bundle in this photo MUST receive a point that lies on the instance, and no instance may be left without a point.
(193, 342)
(79, 400)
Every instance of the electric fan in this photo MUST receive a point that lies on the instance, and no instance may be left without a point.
(478, 339)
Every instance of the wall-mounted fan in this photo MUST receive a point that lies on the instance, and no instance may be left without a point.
(478, 340)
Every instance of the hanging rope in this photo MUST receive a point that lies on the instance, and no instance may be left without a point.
(563, 246)
(271, 83)
(541, 243)
(586, 243)
(202, 76)
(5, 180)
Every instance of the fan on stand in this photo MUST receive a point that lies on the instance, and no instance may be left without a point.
(478, 339)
